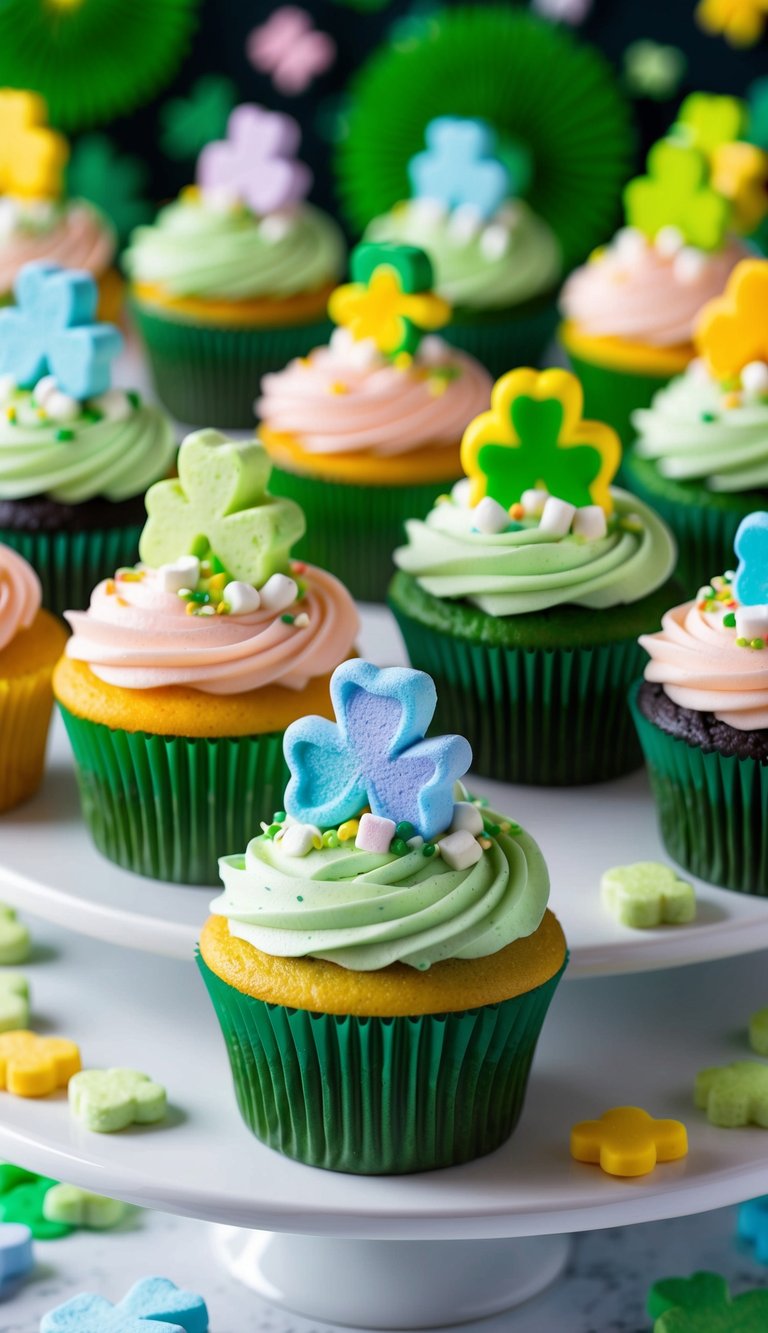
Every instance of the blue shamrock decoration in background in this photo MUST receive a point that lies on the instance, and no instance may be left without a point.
(52, 330)
(751, 546)
(153, 1305)
(460, 166)
(375, 753)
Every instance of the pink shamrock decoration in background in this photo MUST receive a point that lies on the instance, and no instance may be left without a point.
(256, 164)
(290, 48)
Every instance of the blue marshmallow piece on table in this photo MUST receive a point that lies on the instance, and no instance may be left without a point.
(459, 166)
(375, 753)
(153, 1305)
(52, 330)
(16, 1255)
(752, 1226)
(750, 585)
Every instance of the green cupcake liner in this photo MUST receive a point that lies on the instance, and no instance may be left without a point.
(613, 395)
(507, 339)
(169, 806)
(70, 564)
(704, 522)
(353, 530)
(545, 717)
(206, 375)
(380, 1096)
(712, 808)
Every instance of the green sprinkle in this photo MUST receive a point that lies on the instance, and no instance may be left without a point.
(428, 849)
(729, 620)
(757, 643)
(331, 838)
(299, 898)
(134, 398)
(216, 565)
(279, 817)
(200, 546)
(742, 643)
(491, 829)
(709, 416)
(398, 847)
(271, 830)
(514, 827)
(92, 414)
(404, 830)
(201, 597)
(65, 434)
(287, 619)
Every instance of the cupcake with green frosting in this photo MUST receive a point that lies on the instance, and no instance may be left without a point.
(232, 279)
(701, 455)
(525, 588)
(76, 454)
(383, 950)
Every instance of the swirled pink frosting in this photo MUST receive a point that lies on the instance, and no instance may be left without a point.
(80, 238)
(696, 659)
(347, 397)
(636, 292)
(141, 637)
(20, 595)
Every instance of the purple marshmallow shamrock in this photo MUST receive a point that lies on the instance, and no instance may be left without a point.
(375, 753)
(256, 164)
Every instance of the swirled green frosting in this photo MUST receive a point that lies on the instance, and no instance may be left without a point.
(514, 258)
(691, 436)
(194, 250)
(365, 911)
(525, 569)
(74, 461)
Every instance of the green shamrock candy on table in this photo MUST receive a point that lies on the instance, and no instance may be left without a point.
(220, 504)
(14, 1002)
(703, 1304)
(14, 938)
(75, 1207)
(734, 1095)
(647, 894)
(22, 1199)
(106, 1100)
(675, 193)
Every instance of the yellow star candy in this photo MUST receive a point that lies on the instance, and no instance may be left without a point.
(32, 156)
(740, 174)
(732, 330)
(534, 438)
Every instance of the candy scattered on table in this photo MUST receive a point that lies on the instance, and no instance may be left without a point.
(647, 894)
(22, 1201)
(627, 1141)
(703, 1304)
(734, 1095)
(14, 938)
(153, 1305)
(16, 1255)
(14, 1002)
(389, 299)
(32, 1066)
(107, 1100)
(758, 1032)
(752, 1226)
(79, 1208)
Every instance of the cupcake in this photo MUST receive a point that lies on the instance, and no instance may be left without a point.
(630, 312)
(701, 456)
(702, 717)
(524, 590)
(76, 455)
(366, 430)
(30, 643)
(181, 677)
(36, 221)
(382, 958)
(233, 278)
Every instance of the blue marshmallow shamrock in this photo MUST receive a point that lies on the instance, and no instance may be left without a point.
(52, 331)
(153, 1305)
(750, 585)
(16, 1257)
(459, 166)
(375, 753)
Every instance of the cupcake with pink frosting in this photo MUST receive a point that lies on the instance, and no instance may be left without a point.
(366, 431)
(702, 716)
(31, 641)
(630, 312)
(181, 677)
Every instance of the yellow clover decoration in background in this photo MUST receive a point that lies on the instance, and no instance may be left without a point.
(733, 330)
(32, 156)
(740, 22)
(740, 175)
(390, 300)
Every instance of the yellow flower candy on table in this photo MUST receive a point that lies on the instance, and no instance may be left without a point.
(627, 1141)
(33, 1066)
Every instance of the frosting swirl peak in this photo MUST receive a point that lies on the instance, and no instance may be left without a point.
(20, 595)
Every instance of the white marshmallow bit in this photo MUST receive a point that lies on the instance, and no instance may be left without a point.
(428, 211)
(556, 517)
(489, 516)
(415, 842)
(183, 573)
(44, 388)
(466, 816)
(754, 378)
(533, 502)
(114, 404)
(301, 621)
(241, 598)
(276, 227)
(279, 592)
(494, 241)
(669, 240)
(299, 839)
(460, 850)
(697, 370)
(589, 522)
(465, 223)
(375, 834)
(434, 351)
(752, 622)
(689, 264)
(460, 493)
(629, 243)
(7, 388)
(60, 407)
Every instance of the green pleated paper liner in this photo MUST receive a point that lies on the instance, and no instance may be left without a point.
(70, 564)
(353, 530)
(612, 395)
(504, 340)
(207, 375)
(704, 522)
(380, 1096)
(169, 806)
(712, 808)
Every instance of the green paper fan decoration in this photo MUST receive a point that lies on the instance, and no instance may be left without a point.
(535, 83)
(116, 183)
(92, 59)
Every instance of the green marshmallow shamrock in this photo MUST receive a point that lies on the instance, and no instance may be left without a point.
(220, 504)
(106, 1100)
(647, 894)
(703, 1304)
(734, 1095)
